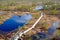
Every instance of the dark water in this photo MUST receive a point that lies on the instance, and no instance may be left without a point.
(42, 35)
(14, 22)
(51, 30)
(38, 8)
(34, 37)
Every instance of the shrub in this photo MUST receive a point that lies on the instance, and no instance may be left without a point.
(53, 11)
(48, 3)
(11, 3)
(23, 8)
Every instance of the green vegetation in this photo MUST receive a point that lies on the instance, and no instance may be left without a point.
(48, 3)
(45, 26)
(51, 7)
(36, 15)
(11, 3)
(23, 7)
(0, 17)
(53, 11)
(28, 38)
(58, 32)
(9, 6)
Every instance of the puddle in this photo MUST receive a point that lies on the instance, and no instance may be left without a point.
(14, 22)
(52, 29)
(50, 32)
(38, 8)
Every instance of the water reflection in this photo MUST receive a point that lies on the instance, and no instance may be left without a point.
(51, 30)
(38, 8)
(14, 22)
